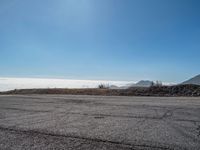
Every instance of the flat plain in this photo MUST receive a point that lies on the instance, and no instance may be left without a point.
(99, 122)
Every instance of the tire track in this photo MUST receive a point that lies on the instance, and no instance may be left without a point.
(131, 146)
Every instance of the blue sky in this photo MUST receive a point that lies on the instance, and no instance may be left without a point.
(100, 39)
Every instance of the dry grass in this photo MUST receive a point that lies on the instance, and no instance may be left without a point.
(179, 90)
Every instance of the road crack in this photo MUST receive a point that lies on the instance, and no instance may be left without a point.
(198, 130)
(131, 146)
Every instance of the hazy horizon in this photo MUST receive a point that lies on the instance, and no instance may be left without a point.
(7, 84)
(30, 83)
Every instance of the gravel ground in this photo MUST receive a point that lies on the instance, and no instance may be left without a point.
(99, 122)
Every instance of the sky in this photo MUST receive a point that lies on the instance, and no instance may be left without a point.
(118, 40)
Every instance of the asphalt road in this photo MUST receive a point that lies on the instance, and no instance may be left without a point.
(97, 122)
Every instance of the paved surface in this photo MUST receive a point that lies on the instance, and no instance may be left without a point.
(95, 122)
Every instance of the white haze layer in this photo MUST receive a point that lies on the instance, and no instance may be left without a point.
(29, 83)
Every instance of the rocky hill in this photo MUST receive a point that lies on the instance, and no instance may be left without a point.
(195, 80)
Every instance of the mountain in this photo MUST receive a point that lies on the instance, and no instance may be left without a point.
(195, 80)
(113, 87)
(144, 83)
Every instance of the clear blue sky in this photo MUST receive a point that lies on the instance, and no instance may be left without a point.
(100, 39)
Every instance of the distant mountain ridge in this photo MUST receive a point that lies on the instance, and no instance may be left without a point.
(144, 83)
(195, 80)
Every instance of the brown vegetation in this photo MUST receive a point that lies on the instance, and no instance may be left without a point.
(179, 90)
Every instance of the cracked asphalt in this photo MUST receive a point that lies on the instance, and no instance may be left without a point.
(98, 122)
